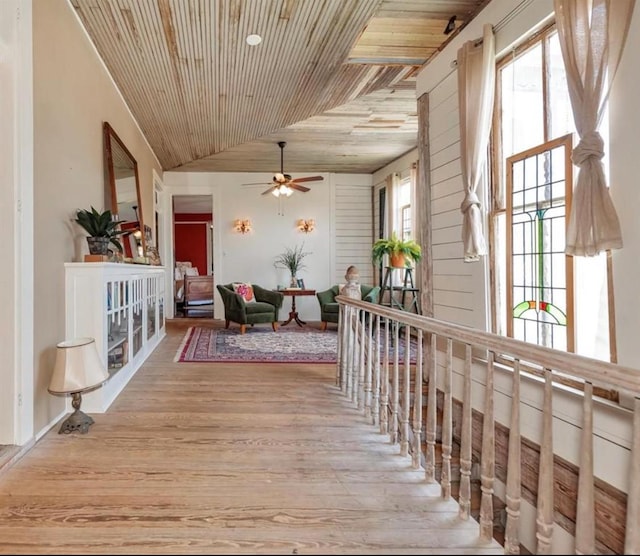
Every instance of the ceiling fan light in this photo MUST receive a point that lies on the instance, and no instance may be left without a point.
(284, 190)
(276, 192)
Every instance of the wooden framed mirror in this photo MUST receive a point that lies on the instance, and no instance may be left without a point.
(123, 192)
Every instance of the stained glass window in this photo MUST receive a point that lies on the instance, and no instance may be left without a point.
(539, 293)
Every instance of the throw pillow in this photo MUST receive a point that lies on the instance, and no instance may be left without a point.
(191, 271)
(245, 290)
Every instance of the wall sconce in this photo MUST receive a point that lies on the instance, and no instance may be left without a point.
(78, 369)
(242, 226)
(306, 226)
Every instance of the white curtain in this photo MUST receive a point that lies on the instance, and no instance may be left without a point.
(592, 35)
(476, 86)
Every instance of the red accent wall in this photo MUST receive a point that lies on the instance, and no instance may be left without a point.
(190, 239)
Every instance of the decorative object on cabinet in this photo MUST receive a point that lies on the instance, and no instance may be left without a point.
(291, 259)
(78, 369)
(243, 226)
(123, 185)
(153, 256)
(122, 306)
(102, 230)
(306, 226)
(401, 252)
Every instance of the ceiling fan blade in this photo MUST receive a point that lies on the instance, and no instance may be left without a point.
(310, 178)
(294, 185)
(261, 183)
(270, 190)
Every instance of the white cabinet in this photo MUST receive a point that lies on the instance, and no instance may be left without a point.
(122, 307)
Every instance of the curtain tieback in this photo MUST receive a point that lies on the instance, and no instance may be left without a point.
(470, 199)
(591, 145)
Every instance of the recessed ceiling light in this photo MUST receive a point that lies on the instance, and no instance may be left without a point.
(253, 40)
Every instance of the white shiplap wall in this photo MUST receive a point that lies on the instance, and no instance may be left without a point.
(353, 224)
(452, 277)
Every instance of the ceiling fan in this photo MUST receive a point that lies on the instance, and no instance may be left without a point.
(283, 184)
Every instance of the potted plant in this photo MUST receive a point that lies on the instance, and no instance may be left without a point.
(400, 251)
(291, 259)
(102, 230)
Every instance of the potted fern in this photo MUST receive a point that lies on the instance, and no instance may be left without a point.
(102, 230)
(401, 252)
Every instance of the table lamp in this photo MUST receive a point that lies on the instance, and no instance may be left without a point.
(78, 369)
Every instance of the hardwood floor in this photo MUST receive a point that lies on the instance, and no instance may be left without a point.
(226, 458)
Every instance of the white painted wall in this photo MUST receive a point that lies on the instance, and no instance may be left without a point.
(72, 95)
(250, 257)
(16, 225)
(353, 232)
(624, 147)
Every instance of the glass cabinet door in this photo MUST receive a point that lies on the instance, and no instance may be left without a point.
(136, 312)
(117, 325)
(152, 288)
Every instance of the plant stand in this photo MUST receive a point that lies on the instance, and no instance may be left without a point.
(412, 303)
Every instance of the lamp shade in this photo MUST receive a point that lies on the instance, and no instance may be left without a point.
(78, 367)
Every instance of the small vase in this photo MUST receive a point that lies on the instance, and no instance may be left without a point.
(294, 282)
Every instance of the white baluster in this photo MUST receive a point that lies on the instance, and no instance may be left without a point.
(513, 496)
(395, 386)
(368, 379)
(430, 431)
(375, 411)
(487, 470)
(417, 404)
(585, 513)
(406, 392)
(465, 440)
(447, 425)
(544, 515)
(384, 390)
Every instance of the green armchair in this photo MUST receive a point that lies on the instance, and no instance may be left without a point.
(329, 308)
(263, 310)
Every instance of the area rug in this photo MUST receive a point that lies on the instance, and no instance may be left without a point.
(263, 345)
(258, 345)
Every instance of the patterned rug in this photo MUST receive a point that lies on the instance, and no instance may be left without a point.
(258, 345)
(263, 345)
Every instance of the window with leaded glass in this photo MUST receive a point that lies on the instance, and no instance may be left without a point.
(538, 294)
(539, 291)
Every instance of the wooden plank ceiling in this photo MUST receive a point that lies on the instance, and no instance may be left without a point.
(333, 78)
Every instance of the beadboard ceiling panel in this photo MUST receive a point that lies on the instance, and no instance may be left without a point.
(333, 78)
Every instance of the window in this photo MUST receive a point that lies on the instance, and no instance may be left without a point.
(539, 289)
(403, 220)
(540, 295)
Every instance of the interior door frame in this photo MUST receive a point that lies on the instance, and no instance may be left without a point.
(168, 219)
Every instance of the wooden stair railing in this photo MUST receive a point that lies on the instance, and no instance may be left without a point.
(374, 376)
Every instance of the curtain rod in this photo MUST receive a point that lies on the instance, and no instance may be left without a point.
(496, 28)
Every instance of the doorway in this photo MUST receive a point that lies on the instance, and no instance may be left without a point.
(193, 255)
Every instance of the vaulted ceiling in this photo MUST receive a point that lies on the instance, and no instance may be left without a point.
(333, 78)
